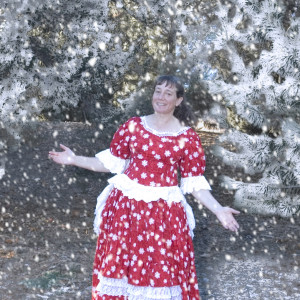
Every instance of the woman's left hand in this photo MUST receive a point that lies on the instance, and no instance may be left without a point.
(225, 216)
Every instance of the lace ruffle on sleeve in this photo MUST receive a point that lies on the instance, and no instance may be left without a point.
(189, 184)
(192, 166)
(116, 158)
(113, 163)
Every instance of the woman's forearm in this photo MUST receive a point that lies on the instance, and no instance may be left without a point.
(223, 213)
(90, 163)
(68, 157)
(208, 200)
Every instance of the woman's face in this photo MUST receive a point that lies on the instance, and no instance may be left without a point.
(164, 99)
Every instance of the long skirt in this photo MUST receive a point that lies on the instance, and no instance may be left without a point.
(144, 251)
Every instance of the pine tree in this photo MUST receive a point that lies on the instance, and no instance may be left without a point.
(53, 55)
(261, 40)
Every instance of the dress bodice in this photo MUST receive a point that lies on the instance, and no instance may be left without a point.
(154, 157)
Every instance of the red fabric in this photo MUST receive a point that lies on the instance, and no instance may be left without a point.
(154, 160)
(149, 243)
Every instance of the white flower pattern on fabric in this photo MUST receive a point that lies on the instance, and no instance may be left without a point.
(167, 153)
(160, 165)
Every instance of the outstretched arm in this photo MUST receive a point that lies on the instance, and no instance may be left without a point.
(68, 157)
(224, 214)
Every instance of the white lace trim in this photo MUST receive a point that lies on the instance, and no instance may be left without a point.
(139, 192)
(113, 163)
(101, 200)
(162, 133)
(189, 184)
(121, 287)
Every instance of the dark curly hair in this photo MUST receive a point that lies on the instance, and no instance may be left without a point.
(183, 112)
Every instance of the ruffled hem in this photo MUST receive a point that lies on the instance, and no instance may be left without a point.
(189, 184)
(121, 287)
(113, 163)
(139, 192)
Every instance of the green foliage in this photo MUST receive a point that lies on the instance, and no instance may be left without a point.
(262, 104)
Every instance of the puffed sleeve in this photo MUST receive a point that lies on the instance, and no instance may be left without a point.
(192, 165)
(116, 158)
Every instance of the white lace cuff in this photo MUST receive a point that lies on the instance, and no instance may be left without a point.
(113, 163)
(121, 287)
(189, 184)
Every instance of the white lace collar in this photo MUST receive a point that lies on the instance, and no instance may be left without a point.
(162, 133)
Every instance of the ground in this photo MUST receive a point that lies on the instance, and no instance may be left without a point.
(47, 243)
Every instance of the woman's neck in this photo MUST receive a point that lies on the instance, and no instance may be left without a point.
(163, 122)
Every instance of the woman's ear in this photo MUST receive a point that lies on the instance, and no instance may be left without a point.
(178, 101)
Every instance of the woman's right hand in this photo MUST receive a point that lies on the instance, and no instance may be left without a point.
(66, 157)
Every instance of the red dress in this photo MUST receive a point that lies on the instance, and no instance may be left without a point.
(144, 224)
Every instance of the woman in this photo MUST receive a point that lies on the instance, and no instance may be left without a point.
(144, 224)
